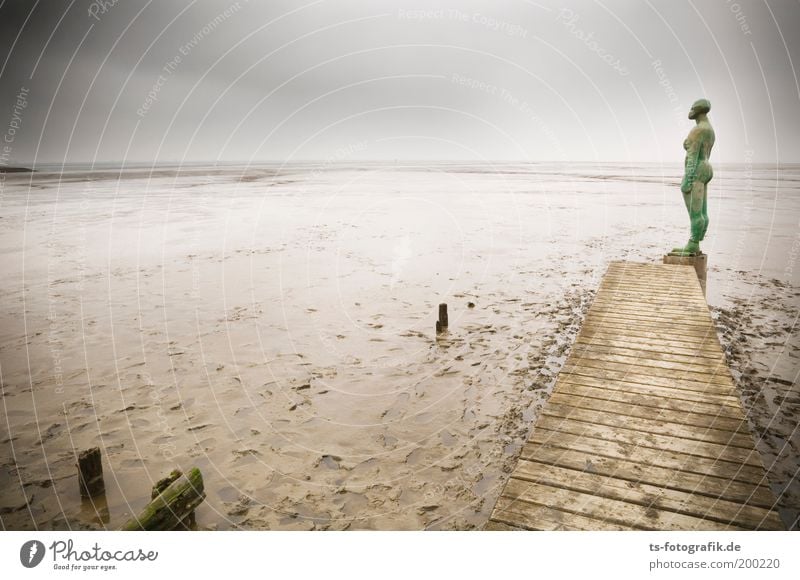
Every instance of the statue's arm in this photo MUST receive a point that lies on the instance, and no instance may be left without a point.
(692, 160)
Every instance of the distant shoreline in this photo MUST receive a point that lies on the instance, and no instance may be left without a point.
(57, 167)
(13, 169)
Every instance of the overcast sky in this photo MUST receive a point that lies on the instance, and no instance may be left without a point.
(344, 79)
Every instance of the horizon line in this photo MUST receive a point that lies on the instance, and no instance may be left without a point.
(31, 165)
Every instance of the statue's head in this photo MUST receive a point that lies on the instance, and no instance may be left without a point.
(699, 107)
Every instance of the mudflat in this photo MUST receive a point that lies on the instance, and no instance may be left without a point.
(275, 326)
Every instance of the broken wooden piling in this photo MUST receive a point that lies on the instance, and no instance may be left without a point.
(90, 472)
(441, 324)
(174, 500)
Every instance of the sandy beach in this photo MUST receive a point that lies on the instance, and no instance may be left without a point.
(274, 326)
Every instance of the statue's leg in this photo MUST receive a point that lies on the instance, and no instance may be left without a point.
(687, 201)
(695, 203)
(705, 212)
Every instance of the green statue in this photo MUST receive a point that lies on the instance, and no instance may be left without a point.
(697, 174)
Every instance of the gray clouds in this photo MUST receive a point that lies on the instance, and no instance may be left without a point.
(251, 81)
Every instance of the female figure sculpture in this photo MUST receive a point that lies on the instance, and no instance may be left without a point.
(697, 174)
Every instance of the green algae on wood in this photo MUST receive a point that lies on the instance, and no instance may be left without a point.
(176, 498)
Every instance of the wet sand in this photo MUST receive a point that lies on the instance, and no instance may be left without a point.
(275, 327)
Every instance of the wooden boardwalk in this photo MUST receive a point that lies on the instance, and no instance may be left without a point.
(644, 430)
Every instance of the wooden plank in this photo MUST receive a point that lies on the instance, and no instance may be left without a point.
(640, 416)
(650, 359)
(719, 510)
(642, 307)
(623, 327)
(641, 268)
(513, 512)
(649, 311)
(680, 281)
(644, 317)
(639, 303)
(644, 428)
(629, 265)
(648, 457)
(719, 377)
(606, 509)
(641, 352)
(623, 294)
(659, 427)
(618, 296)
(675, 277)
(641, 345)
(652, 312)
(621, 468)
(667, 292)
(650, 397)
(647, 314)
(633, 334)
(677, 394)
(498, 526)
(673, 328)
(599, 372)
(647, 288)
(715, 451)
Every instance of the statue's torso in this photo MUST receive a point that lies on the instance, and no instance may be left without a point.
(703, 133)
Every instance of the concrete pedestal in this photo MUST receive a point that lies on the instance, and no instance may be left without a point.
(699, 261)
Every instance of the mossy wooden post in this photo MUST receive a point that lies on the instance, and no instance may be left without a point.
(174, 500)
(90, 472)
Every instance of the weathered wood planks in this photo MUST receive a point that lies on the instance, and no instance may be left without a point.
(644, 429)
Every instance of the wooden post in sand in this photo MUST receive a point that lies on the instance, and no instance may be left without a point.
(174, 500)
(90, 472)
(441, 324)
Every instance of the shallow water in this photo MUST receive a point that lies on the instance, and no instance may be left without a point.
(274, 326)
